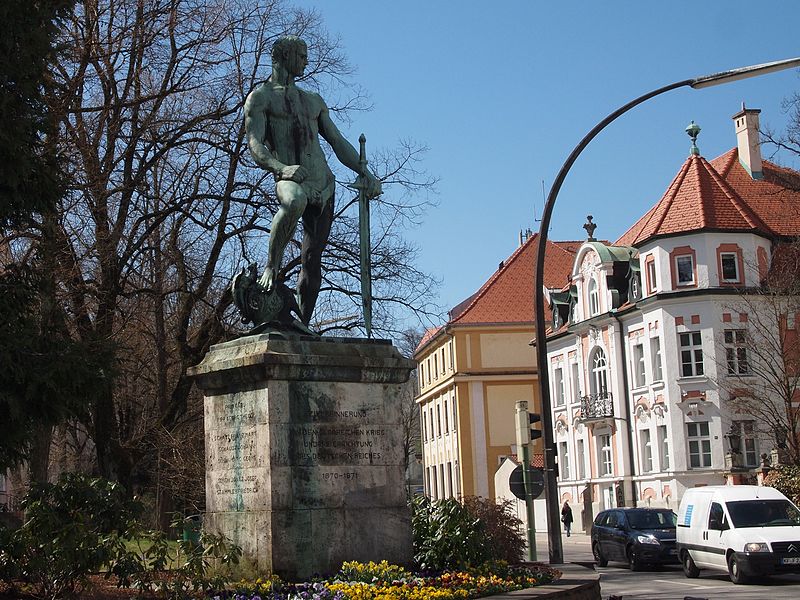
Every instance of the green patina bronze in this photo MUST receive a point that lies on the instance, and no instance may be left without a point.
(283, 124)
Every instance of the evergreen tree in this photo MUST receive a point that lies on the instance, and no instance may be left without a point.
(45, 375)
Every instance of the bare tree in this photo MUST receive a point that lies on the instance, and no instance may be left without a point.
(165, 206)
(410, 415)
(759, 366)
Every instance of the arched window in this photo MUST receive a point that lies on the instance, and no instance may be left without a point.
(594, 298)
(599, 367)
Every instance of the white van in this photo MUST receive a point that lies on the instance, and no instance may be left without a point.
(745, 530)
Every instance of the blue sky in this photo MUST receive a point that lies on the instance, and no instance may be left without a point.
(501, 92)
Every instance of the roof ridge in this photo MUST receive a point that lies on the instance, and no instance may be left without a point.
(674, 187)
(706, 196)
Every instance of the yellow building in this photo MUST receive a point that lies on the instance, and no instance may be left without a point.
(473, 370)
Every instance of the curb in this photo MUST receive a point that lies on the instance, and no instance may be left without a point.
(577, 582)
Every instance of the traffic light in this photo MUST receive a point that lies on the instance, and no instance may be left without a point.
(534, 418)
(525, 420)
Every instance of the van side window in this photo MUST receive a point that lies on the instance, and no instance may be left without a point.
(716, 516)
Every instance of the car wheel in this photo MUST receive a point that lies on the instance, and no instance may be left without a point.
(601, 560)
(633, 559)
(689, 568)
(735, 570)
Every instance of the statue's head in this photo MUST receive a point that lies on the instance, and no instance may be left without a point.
(292, 53)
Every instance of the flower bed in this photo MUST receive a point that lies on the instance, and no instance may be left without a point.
(382, 581)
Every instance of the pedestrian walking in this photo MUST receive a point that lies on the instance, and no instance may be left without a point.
(566, 517)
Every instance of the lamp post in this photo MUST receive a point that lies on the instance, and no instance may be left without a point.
(553, 528)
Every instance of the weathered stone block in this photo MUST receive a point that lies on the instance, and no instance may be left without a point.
(304, 451)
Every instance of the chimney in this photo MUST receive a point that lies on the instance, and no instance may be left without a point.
(748, 140)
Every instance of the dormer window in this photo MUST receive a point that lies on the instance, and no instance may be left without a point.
(594, 298)
(684, 268)
(635, 288)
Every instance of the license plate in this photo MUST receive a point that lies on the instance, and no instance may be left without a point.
(794, 560)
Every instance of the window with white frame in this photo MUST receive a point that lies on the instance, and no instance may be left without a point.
(594, 298)
(730, 267)
(424, 426)
(446, 424)
(652, 284)
(450, 479)
(563, 460)
(580, 460)
(604, 454)
(576, 388)
(438, 420)
(699, 445)
(646, 450)
(637, 365)
(684, 269)
(748, 444)
(455, 423)
(655, 358)
(691, 348)
(599, 379)
(558, 385)
(736, 351)
(663, 447)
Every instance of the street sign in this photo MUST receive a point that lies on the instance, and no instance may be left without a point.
(518, 487)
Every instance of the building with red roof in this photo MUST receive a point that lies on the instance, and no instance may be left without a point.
(653, 334)
(474, 368)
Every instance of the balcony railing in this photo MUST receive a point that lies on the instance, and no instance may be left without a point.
(597, 406)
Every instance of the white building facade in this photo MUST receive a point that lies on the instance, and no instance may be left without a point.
(649, 333)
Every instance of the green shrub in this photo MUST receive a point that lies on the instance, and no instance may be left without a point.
(71, 529)
(785, 479)
(81, 525)
(446, 535)
(449, 534)
(504, 535)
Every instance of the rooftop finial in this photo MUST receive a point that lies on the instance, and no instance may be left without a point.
(590, 227)
(693, 130)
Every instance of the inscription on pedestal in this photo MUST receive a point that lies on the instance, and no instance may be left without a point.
(337, 444)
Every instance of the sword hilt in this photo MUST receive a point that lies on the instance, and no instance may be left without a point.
(362, 151)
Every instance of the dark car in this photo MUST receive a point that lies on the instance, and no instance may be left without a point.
(637, 536)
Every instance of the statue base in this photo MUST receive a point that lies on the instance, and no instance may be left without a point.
(304, 459)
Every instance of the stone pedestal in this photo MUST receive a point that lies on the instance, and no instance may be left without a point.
(304, 459)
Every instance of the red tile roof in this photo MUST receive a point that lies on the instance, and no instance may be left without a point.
(775, 199)
(699, 198)
(507, 297)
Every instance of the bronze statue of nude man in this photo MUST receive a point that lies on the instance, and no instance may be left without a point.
(283, 124)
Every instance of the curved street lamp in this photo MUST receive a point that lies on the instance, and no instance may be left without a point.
(553, 528)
